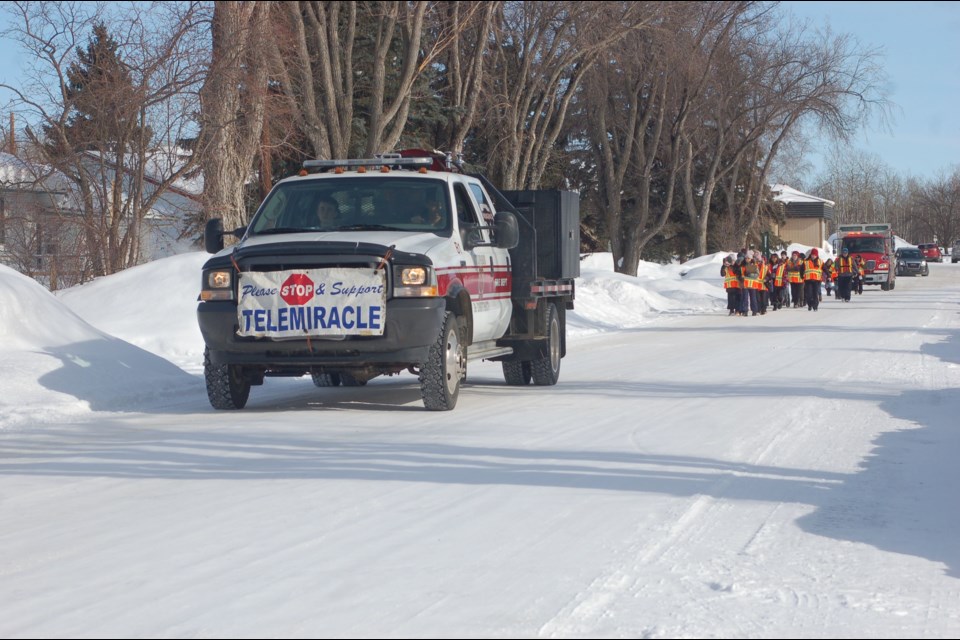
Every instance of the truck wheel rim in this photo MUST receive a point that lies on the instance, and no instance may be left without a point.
(454, 362)
(555, 344)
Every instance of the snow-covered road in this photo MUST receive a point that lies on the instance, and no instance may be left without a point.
(787, 475)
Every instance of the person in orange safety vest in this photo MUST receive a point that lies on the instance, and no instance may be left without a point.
(812, 277)
(845, 269)
(829, 275)
(731, 282)
(795, 278)
(779, 268)
(858, 274)
(751, 285)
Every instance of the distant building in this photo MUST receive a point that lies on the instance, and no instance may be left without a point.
(808, 218)
(42, 230)
(35, 234)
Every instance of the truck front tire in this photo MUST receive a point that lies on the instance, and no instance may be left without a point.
(444, 368)
(227, 386)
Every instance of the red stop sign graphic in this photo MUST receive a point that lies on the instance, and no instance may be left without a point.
(297, 289)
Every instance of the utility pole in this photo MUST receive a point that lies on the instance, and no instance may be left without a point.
(12, 143)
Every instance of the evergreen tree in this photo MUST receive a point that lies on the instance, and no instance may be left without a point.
(104, 113)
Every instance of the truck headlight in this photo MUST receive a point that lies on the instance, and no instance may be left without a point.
(217, 285)
(219, 279)
(412, 276)
(415, 282)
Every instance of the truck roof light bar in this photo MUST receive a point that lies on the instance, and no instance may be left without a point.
(386, 160)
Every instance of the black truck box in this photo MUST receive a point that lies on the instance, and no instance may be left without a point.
(555, 216)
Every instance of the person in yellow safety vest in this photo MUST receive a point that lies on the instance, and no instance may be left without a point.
(731, 282)
(845, 270)
(751, 284)
(812, 276)
(795, 279)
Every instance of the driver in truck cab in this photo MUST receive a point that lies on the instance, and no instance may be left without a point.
(327, 212)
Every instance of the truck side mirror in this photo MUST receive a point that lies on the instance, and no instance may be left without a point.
(213, 235)
(507, 232)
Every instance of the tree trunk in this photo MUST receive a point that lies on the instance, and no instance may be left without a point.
(233, 97)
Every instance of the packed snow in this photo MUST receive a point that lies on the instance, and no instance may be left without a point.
(691, 475)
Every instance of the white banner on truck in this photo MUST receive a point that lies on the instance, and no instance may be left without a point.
(331, 303)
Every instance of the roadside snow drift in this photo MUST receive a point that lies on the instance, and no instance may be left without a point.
(55, 364)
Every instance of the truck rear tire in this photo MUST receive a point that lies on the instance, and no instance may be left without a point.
(546, 370)
(516, 372)
(227, 386)
(326, 379)
(349, 381)
(444, 368)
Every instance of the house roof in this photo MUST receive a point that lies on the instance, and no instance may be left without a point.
(788, 195)
(14, 171)
(163, 162)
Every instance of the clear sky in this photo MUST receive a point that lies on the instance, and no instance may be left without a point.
(921, 46)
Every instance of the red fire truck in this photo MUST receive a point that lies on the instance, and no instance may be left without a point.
(873, 242)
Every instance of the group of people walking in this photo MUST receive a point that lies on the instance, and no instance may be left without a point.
(755, 283)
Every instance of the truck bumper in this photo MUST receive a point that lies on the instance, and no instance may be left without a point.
(875, 278)
(412, 326)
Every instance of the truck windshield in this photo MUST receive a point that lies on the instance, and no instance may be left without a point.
(370, 203)
(863, 245)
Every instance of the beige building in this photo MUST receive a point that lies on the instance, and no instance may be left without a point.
(808, 218)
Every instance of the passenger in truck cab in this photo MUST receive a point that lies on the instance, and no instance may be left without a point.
(432, 213)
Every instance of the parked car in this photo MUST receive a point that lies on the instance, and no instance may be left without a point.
(955, 252)
(931, 251)
(910, 262)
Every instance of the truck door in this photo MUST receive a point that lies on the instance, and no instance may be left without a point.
(502, 285)
(485, 299)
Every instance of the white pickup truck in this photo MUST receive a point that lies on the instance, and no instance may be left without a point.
(367, 267)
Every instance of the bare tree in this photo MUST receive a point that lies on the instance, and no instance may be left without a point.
(543, 53)
(350, 69)
(937, 209)
(638, 106)
(233, 97)
(468, 26)
(314, 67)
(772, 79)
(388, 111)
(863, 188)
(109, 111)
(831, 81)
